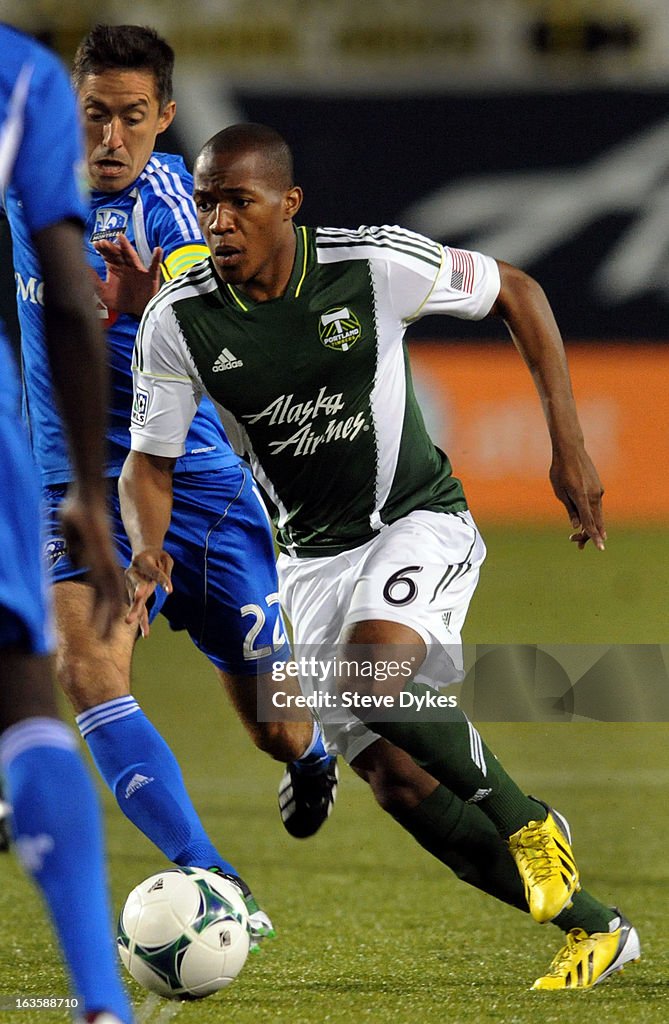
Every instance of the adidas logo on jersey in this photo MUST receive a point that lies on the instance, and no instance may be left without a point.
(226, 361)
(136, 782)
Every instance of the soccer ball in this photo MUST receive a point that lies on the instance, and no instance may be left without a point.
(184, 933)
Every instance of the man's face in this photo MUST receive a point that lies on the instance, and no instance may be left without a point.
(245, 218)
(122, 117)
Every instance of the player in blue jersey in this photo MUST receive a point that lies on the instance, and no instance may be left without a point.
(55, 815)
(225, 592)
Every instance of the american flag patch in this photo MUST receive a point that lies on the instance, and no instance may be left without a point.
(462, 270)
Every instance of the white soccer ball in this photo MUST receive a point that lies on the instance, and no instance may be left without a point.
(184, 933)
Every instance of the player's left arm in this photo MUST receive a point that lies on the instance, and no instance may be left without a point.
(425, 278)
(522, 304)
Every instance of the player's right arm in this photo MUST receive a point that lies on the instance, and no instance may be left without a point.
(166, 397)
(145, 492)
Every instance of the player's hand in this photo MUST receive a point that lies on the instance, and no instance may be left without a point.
(577, 485)
(86, 530)
(149, 569)
(129, 284)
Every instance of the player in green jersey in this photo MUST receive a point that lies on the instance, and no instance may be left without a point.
(297, 334)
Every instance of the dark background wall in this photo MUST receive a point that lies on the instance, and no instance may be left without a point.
(572, 185)
(500, 171)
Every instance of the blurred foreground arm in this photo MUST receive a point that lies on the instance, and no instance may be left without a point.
(526, 311)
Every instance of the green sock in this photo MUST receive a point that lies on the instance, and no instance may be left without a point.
(447, 745)
(587, 913)
(461, 837)
(465, 840)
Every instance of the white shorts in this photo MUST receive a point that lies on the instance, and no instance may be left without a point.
(421, 571)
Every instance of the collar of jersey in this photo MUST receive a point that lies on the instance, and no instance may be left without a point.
(112, 198)
(295, 282)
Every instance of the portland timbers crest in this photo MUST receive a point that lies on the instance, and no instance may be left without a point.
(339, 328)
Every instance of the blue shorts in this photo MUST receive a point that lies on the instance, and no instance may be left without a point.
(224, 577)
(25, 612)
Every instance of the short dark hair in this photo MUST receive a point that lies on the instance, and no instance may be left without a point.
(126, 47)
(260, 137)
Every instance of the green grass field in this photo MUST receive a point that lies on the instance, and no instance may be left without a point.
(370, 927)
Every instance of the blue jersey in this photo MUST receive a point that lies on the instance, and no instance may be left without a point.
(156, 209)
(37, 115)
(39, 151)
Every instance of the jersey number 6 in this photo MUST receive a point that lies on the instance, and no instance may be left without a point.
(400, 588)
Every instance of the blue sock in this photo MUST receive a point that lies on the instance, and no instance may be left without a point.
(143, 774)
(58, 835)
(315, 758)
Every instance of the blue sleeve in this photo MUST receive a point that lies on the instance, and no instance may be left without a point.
(171, 218)
(49, 162)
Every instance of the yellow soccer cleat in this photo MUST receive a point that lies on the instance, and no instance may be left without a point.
(542, 852)
(585, 960)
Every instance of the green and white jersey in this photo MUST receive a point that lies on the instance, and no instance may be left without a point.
(314, 387)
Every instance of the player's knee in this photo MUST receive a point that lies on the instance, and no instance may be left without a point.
(392, 793)
(400, 795)
(284, 741)
(86, 683)
(73, 678)
(395, 781)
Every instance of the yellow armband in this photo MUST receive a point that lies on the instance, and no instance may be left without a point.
(182, 259)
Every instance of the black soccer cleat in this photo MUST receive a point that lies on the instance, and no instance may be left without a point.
(305, 801)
